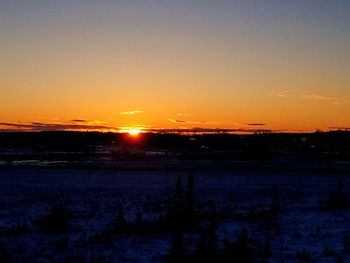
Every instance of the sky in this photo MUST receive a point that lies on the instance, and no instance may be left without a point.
(175, 64)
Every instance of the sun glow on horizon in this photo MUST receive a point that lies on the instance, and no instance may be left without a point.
(134, 132)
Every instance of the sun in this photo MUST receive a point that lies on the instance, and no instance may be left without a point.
(134, 132)
(131, 131)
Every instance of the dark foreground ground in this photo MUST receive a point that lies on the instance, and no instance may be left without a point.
(208, 215)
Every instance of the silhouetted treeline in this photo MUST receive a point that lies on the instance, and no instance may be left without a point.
(319, 145)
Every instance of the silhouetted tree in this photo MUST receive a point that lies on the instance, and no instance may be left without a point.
(177, 250)
(179, 189)
(267, 249)
(245, 251)
(346, 243)
(337, 200)
(275, 206)
(119, 223)
(298, 195)
(4, 255)
(303, 255)
(141, 226)
(189, 195)
(138, 218)
(340, 259)
(56, 221)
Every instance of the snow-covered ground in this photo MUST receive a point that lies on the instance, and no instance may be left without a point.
(292, 212)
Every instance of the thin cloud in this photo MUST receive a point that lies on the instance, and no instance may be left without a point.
(285, 96)
(96, 122)
(133, 112)
(78, 120)
(176, 121)
(41, 126)
(256, 124)
(317, 97)
(200, 130)
(248, 124)
(340, 128)
(307, 96)
(13, 125)
(180, 114)
(143, 126)
(190, 122)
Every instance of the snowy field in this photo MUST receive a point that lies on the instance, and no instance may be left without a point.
(66, 215)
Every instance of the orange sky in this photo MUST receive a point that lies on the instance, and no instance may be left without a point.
(174, 64)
